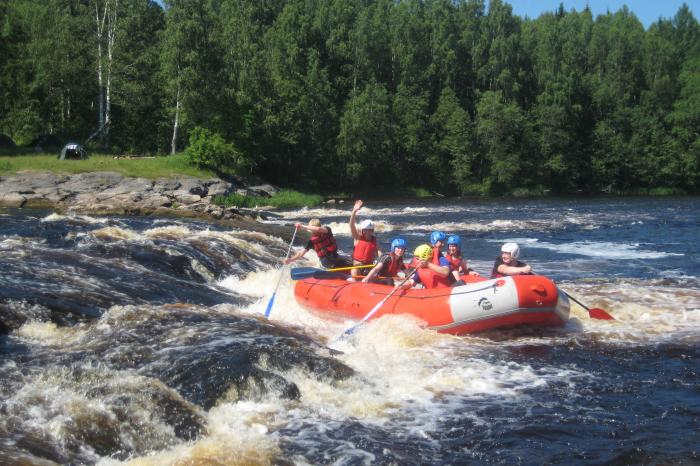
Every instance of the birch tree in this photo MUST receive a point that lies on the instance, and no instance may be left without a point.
(106, 29)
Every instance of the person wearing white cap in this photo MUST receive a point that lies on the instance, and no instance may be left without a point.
(508, 264)
(365, 250)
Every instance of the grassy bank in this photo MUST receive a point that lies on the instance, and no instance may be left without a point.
(284, 199)
(152, 168)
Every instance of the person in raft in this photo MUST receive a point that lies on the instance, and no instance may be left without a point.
(323, 242)
(437, 241)
(365, 250)
(508, 264)
(388, 265)
(458, 264)
(427, 272)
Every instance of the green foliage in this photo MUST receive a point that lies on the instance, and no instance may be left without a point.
(337, 95)
(22, 125)
(283, 199)
(453, 155)
(364, 142)
(209, 150)
(502, 131)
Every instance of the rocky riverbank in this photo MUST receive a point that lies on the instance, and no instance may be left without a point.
(100, 193)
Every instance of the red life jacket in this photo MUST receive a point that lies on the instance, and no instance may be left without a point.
(365, 251)
(436, 256)
(431, 279)
(324, 244)
(455, 262)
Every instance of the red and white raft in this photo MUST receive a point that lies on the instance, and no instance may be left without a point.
(480, 305)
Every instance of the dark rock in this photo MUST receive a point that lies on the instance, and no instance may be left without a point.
(111, 193)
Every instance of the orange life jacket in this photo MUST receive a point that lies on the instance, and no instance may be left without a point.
(455, 262)
(436, 256)
(431, 279)
(365, 251)
(324, 244)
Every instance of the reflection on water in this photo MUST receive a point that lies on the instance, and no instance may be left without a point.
(142, 340)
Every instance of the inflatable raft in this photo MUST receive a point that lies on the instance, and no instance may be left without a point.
(477, 306)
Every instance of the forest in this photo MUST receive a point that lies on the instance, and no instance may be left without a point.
(461, 97)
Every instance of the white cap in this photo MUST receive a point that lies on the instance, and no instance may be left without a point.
(367, 225)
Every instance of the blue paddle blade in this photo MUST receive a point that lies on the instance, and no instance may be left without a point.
(301, 273)
(269, 305)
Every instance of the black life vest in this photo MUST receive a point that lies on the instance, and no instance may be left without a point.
(394, 266)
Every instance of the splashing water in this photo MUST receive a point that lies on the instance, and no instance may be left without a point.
(140, 340)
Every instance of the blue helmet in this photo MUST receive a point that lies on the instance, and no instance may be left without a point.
(398, 243)
(436, 236)
(454, 239)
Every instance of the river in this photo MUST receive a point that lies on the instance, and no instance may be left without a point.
(141, 340)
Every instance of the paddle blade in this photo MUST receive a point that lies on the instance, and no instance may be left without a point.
(269, 305)
(598, 313)
(299, 273)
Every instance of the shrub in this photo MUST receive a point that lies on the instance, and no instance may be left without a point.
(23, 125)
(210, 150)
(284, 199)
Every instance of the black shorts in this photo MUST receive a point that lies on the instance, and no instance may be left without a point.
(334, 262)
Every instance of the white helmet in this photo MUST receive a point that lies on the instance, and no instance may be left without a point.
(512, 248)
(367, 225)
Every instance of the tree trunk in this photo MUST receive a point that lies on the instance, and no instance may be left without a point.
(108, 17)
(111, 33)
(100, 85)
(176, 123)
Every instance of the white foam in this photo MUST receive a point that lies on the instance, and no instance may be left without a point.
(49, 334)
(599, 249)
(54, 217)
(236, 436)
(647, 311)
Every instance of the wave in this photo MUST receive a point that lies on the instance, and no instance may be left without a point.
(598, 249)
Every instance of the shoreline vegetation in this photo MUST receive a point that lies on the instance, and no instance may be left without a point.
(460, 98)
(177, 165)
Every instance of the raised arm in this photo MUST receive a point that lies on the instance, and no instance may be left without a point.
(312, 229)
(353, 229)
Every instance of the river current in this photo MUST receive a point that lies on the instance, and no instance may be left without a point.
(139, 340)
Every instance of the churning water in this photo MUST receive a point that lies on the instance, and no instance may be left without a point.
(142, 340)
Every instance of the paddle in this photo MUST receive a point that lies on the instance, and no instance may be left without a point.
(300, 273)
(593, 313)
(350, 268)
(272, 298)
(379, 304)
